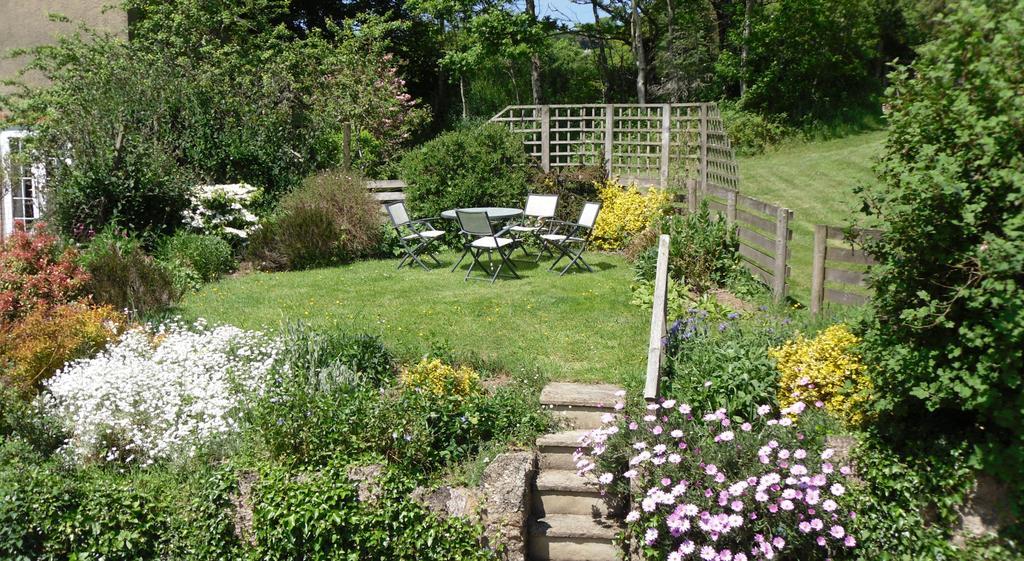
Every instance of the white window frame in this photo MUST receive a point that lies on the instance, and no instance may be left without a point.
(38, 179)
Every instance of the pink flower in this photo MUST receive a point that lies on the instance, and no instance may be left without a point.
(651, 536)
(657, 430)
(687, 547)
(778, 542)
(786, 505)
(711, 469)
(763, 410)
(684, 409)
(804, 526)
(736, 505)
(676, 433)
(668, 404)
(707, 553)
(674, 458)
(605, 478)
(837, 532)
(849, 541)
(829, 505)
(725, 436)
(746, 427)
(633, 516)
(837, 489)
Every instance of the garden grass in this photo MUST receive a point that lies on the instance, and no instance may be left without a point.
(579, 327)
(816, 181)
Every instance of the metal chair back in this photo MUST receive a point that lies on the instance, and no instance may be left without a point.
(474, 223)
(541, 206)
(399, 216)
(588, 216)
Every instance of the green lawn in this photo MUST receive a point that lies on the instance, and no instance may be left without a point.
(580, 327)
(816, 181)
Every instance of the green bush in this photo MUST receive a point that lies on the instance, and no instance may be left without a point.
(946, 346)
(351, 360)
(330, 219)
(751, 133)
(122, 275)
(703, 254)
(26, 422)
(480, 166)
(318, 515)
(714, 363)
(209, 256)
(573, 185)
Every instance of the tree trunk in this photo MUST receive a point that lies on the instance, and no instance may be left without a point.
(602, 58)
(531, 9)
(462, 95)
(744, 48)
(638, 53)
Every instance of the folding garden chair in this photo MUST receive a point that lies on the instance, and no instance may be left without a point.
(416, 236)
(539, 208)
(571, 239)
(480, 237)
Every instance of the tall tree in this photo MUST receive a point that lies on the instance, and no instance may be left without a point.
(535, 88)
(638, 52)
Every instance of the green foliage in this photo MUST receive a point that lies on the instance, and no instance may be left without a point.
(806, 57)
(208, 256)
(25, 422)
(213, 92)
(351, 360)
(331, 218)
(945, 344)
(703, 253)
(318, 515)
(478, 166)
(750, 133)
(573, 185)
(724, 362)
(123, 276)
(51, 513)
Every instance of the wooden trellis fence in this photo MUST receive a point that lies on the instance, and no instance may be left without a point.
(664, 144)
(839, 271)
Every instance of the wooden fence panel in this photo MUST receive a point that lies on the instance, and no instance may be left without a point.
(836, 250)
(764, 233)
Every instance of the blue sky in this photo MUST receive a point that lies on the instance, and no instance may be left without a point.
(564, 10)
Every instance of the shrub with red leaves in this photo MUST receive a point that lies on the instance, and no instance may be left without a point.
(37, 272)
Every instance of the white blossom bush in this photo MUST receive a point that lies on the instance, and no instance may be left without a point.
(224, 210)
(717, 487)
(160, 393)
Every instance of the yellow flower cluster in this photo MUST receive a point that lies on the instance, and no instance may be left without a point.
(824, 369)
(625, 212)
(441, 379)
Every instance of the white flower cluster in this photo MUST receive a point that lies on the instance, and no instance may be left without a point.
(160, 392)
(223, 209)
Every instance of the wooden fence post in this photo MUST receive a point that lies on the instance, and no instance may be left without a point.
(659, 309)
(545, 137)
(666, 142)
(818, 268)
(609, 137)
(346, 144)
(781, 250)
(730, 208)
(691, 195)
(703, 128)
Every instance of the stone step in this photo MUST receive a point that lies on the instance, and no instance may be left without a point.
(556, 449)
(565, 492)
(568, 537)
(579, 405)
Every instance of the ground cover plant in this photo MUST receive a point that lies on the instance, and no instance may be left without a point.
(577, 327)
(719, 485)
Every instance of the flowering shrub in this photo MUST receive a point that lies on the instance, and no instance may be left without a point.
(36, 272)
(439, 378)
(34, 348)
(720, 487)
(625, 212)
(824, 369)
(225, 211)
(159, 393)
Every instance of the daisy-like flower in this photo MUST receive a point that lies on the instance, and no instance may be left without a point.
(837, 531)
(605, 478)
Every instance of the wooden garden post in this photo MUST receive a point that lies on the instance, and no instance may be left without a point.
(781, 249)
(609, 137)
(666, 142)
(545, 137)
(346, 144)
(703, 128)
(691, 195)
(730, 208)
(818, 268)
